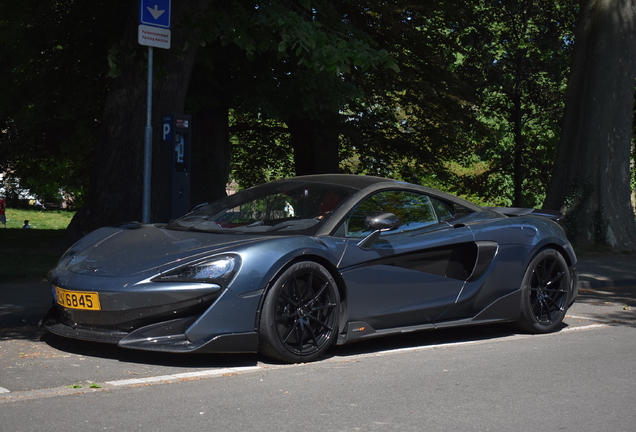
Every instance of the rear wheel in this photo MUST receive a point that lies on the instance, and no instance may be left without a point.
(545, 291)
(299, 320)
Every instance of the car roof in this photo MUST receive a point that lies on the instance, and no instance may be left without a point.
(350, 180)
(370, 183)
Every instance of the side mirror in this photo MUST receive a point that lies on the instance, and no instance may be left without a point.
(382, 221)
(197, 207)
(379, 222)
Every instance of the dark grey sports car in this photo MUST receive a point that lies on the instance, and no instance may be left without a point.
(290, 267)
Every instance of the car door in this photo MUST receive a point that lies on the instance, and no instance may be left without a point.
(411, 274)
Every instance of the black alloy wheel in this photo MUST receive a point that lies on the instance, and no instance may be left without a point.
(299, 320)
(545, 292)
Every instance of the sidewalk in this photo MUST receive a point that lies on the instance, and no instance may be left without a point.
(607, 272)
(24, 304)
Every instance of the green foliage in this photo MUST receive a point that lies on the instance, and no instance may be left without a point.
(446, 116)
(279, 63)
(632, 181)
(515, 54)
(52, 75)
(463, 96)
(309, 34)
(260, 151)
(404, 124)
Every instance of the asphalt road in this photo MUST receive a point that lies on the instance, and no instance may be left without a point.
(478, 379)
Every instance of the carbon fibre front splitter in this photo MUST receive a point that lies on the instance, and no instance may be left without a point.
(167, 336)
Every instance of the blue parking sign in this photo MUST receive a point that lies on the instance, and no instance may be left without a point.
(156, 13)
(167, 128)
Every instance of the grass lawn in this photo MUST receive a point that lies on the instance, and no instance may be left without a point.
(43, 220)
(27, 255)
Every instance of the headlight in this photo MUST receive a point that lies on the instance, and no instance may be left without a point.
(219, 270)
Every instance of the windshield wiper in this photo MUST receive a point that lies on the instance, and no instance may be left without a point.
(280, 226)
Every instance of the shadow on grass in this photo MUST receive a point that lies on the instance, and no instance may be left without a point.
(28, 255)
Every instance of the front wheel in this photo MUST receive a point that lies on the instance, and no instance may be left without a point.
(545, 291)
(299, 320)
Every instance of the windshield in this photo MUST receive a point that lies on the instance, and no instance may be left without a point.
(286, 207)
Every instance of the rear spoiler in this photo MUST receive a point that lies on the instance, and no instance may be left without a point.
(516, 212)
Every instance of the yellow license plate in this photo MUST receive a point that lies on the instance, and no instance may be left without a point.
(78, 299)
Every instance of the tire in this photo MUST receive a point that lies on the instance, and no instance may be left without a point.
(545, 291)
(299, 320)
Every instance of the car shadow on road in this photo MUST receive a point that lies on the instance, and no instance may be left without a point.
(369, 346)
(374, 345)
(423, 339)
(28, 332)
(113, 352)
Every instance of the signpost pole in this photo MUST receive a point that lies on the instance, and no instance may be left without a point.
(155, 18)
(148, 144)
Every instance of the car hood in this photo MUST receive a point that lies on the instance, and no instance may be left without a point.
(143, 248)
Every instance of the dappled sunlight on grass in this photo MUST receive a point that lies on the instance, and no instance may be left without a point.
(47, 219)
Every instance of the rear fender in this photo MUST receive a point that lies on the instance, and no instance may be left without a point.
(517, 211)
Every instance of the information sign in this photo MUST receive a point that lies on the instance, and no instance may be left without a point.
(155, 13)
(153, 36)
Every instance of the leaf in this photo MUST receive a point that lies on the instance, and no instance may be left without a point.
(393, 66)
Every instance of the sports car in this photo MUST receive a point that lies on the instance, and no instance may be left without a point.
(290, 267)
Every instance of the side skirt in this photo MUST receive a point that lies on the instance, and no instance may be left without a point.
(505, 309)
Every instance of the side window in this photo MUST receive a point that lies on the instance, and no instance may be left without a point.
(414, 211)
(443, 210)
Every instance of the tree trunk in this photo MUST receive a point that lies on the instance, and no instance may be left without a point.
(211, 164)
(517, 121)
(116, 189)
(590, 182)
(315, 143)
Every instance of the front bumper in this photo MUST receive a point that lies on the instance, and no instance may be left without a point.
(166, 336)
(203, 320)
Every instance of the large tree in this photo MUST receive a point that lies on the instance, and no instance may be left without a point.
(290, 31)
(115, 193)
(591, 177)
(515, 54)
(405, 123)
(53, 78)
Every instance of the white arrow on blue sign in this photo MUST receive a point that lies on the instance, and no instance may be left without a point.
(156, 13)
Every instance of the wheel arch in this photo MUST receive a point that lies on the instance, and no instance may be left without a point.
(566, 253)
(330, 267)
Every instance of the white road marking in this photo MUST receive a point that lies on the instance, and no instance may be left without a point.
(587, 327)
(585, 318)
(421, 347)
(476, 342)
(185, 375)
